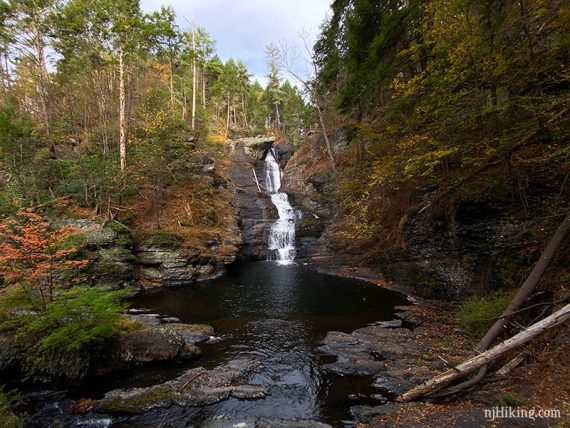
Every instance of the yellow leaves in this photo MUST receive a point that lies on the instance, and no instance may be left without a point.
(155, 123)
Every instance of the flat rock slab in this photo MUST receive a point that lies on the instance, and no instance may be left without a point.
(161, 342)
(371, 350)
(196, 387)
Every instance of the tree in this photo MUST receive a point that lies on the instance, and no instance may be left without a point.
(37, 258)
(119, 28)
(30, 25)
(274, 95)
(288, 57)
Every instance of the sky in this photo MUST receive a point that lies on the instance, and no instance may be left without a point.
(243, 28)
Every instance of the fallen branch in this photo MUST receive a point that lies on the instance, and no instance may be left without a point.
(255, 179)
(520, 298)
(483, 359)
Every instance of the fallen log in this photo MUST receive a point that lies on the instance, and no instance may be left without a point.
(517, 302)
(486, 357)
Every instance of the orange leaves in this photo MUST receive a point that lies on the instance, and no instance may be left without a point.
(32, 253)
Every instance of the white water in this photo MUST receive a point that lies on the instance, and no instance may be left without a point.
(282, 232)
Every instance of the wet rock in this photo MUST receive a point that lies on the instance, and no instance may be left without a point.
(380, 398)
(155, 344)
(249, 392)
(136, 400)
(192, 333)
(364, 414)
(169, 320)
(389, 354)
(391, 385)
(134, 311)
(295, 423)
(256, 212)
(147, 320)
(390, 324)
(196, 387)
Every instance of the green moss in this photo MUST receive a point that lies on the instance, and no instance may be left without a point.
(164, 239)
(118, 254)
(124, 241)
(117, 226)
(479, 313)
(510, 400)
(565, 278)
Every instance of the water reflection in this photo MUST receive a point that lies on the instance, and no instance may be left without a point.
(280, 315)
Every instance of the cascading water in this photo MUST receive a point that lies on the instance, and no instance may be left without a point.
(282, 232)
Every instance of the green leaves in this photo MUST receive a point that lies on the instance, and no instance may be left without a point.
(77, 319)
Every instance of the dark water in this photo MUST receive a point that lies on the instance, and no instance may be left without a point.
(280, 315)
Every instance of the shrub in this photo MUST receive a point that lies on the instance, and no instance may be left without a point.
(78, 319)
(7, 417)
(72, 325)
(479, 313)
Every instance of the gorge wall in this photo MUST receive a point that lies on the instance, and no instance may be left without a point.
(474, 245)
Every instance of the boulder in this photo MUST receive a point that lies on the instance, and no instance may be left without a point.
(192, 333)
(153, 343)
(195, 387)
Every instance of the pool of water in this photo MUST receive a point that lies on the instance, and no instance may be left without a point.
(279, 315)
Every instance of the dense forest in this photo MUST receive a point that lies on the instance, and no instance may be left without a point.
(445, 97)
(430, 134)
(95, 92)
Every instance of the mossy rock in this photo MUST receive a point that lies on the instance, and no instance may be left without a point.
(137, 400)
(164, 239)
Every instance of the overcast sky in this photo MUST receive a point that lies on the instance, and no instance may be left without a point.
(243, 28)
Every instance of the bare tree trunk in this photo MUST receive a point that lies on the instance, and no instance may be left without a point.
(193, 78)
(184, 105)
(122, 113)
(326, 137)
(204, 88)
(42, 78)
(246, 125)
(227, 120)
(486, 357)
(520, 298)
(528, 286)
(277, 119)
(171, 78)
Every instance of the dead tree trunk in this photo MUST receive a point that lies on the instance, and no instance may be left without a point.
(122, 113)
(520, 298)
(486, 357)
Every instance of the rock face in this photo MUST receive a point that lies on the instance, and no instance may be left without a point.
(176, 265)
(449, 259)
(256, 212)
(108, 248)
(196, 387)
(309, 185)
(256, 147)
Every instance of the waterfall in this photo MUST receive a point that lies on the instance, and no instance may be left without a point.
(282, 232)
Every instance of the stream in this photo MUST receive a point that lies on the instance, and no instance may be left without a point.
(278, 314)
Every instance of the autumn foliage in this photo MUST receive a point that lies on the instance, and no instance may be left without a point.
(37, 257)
